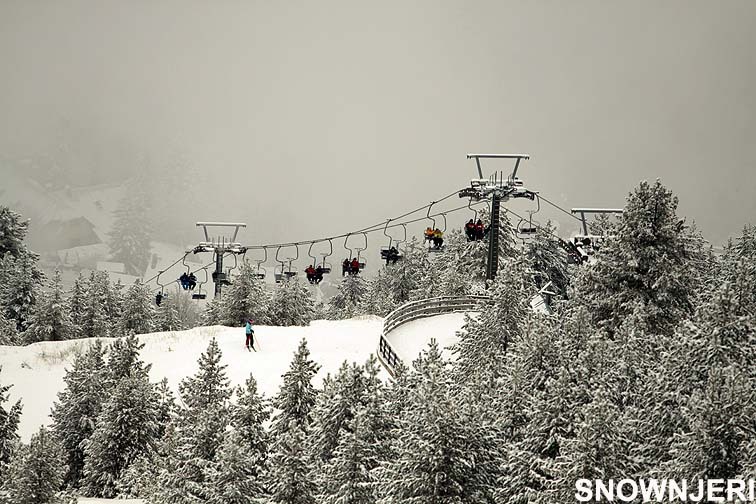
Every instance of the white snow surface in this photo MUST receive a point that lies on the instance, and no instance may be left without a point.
(410, 339)
(36, 371)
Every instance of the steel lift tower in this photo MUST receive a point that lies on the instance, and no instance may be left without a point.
(497, 188)
(220, 246)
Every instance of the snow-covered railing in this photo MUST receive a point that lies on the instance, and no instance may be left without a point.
(421, 309)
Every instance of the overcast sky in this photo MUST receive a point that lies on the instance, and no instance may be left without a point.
(331, 115)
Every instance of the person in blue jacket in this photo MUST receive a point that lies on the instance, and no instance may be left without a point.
(250, 332)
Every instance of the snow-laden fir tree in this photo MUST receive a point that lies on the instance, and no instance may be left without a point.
(292, 304)
(380, 295)
(94, 322)
(248, 417)
(167, 315)
(21, 280)
(128, 424)
(234, 477)
(138, 315)
(335, 407)
(130, 236)
(8, 332)
(440, 455)
(290, 480)
(12, 232)
(548, 260)
(347, 475)
(51, 320)
(346, 302)
(36, 472)
(192, 444)
(296, 397)
(9, 419)
(246, 298)
(484, 341)
(113, 300)
(213, 313)
(647, 265)
(77, 305)
(78, 406)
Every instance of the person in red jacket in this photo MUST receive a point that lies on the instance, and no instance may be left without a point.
(355, 266)
(310, 272)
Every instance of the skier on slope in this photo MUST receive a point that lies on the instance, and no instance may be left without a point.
(250, 332)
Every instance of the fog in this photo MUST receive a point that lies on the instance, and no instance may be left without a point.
(308, 119)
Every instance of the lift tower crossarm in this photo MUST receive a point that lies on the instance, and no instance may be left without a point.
(220, 247)
(478, 157)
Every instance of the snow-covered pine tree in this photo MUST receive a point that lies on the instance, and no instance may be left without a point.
(130, 236)
(408, 271)
(128, 425)
(12, 232)
(346, 302)
(167, 315)
(484, 341)
(248, 417)
(547, 259)
(77, 305)
(94, 321)
(292, 304)
(334, 408)
(234, 477)
(113, 300)
(246, 298)
(36, 472)
(380, 296)
(347, 475)
(8, 332)
(51, 320)
(21, 280)
(192, 444)
(648, 265)
(167, 408)
(78, 406)
(9, 419)
(213, 314)
(296, 397)
(290, 481)
(440, 456)
(138, 315)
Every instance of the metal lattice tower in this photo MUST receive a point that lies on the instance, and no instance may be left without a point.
(220, 246)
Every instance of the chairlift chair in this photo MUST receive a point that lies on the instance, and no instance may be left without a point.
(325, 266)
(360, 261)
(431, 244)
(386, 254)
(261, 272)
(281, 272)
(199, 294)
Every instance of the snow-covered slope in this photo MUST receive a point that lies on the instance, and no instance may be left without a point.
(410, 339)
(36, 371)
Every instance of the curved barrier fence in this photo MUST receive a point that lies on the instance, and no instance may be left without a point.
(416, 310)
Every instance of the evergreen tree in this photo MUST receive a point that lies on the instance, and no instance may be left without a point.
(296, 398)
(346, 302)
(290, 479)
(8, 332)
(51, 319)
(192, 445)
(130, 236)
(167, 315)
(380, 295)
(77, 305)
(21, 279)
(547, 259)
(94, 320)
(114, 300)
(647, 267)
(138, 316)
(440, 455)
(36, 473)
(248, 417)
(292, 304)
(234, 477)
(485, 340)
(8, 428)
(78, 407)
(12, 233)
(246, 298)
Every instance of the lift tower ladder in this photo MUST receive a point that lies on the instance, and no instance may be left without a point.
(498, 188)
(220, 246)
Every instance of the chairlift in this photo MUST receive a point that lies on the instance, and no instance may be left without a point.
(281, 272)
(435, 244)
(325, 265)
(260, 272)
(199, 294)
(392, 253)
(360, 261)
(161, 293)
(526, 228)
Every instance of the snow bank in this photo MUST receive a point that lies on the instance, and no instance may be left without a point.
(36, 371)
(410, 339)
